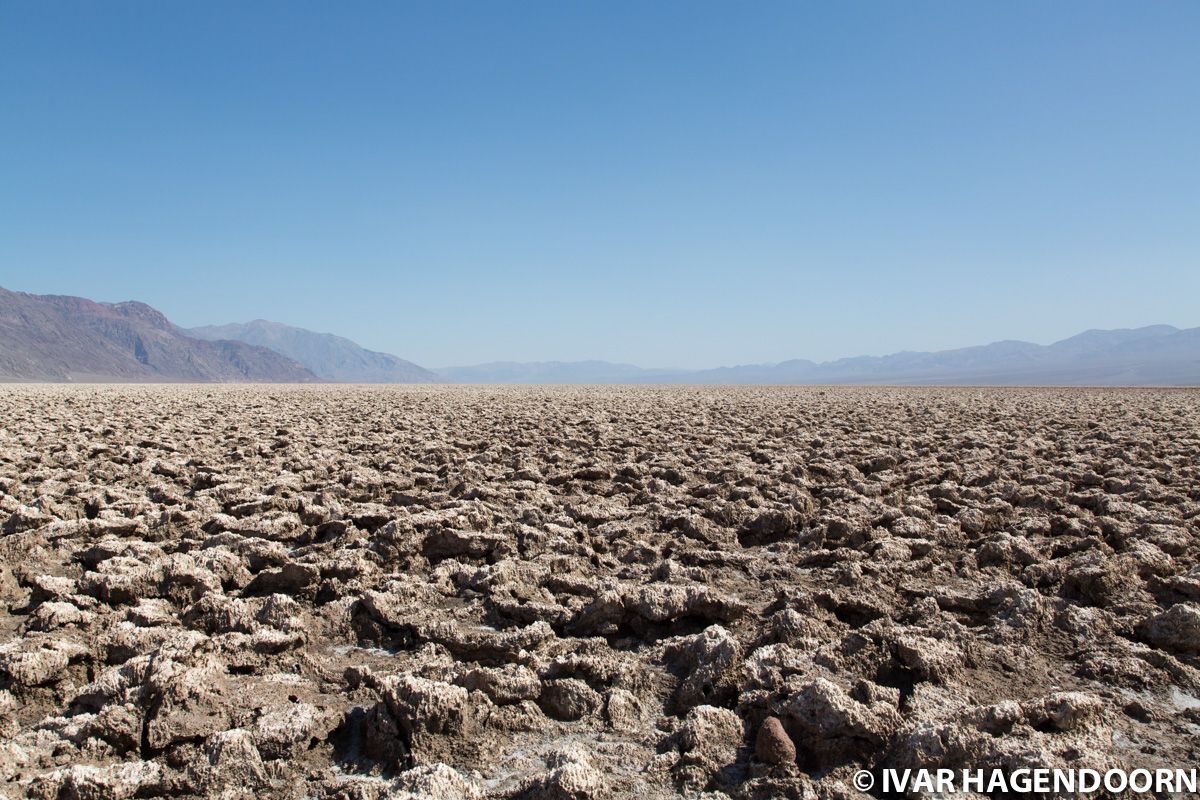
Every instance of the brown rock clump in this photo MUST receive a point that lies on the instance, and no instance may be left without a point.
(773, 745)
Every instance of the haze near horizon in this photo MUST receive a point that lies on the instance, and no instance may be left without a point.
(682, 185)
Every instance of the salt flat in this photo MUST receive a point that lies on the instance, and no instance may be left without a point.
(353, 592)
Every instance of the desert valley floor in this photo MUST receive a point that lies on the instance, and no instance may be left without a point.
(451, 592)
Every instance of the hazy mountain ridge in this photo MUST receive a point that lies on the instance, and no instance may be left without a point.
(330, 357)
(65, 338)
(551, 372)
(1152, 355)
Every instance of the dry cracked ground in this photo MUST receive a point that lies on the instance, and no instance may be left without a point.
(337, 592)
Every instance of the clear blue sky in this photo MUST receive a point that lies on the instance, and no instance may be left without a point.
(683, 184)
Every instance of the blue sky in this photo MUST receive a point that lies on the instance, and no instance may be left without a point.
(671, 184)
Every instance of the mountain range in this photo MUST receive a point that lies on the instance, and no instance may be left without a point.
(329, 357)
(62, 338)
(1156, 355)
(72, 339)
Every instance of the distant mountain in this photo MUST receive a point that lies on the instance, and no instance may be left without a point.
(60, 338)
(554, 372)
(1156, 355)
(327, 356)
